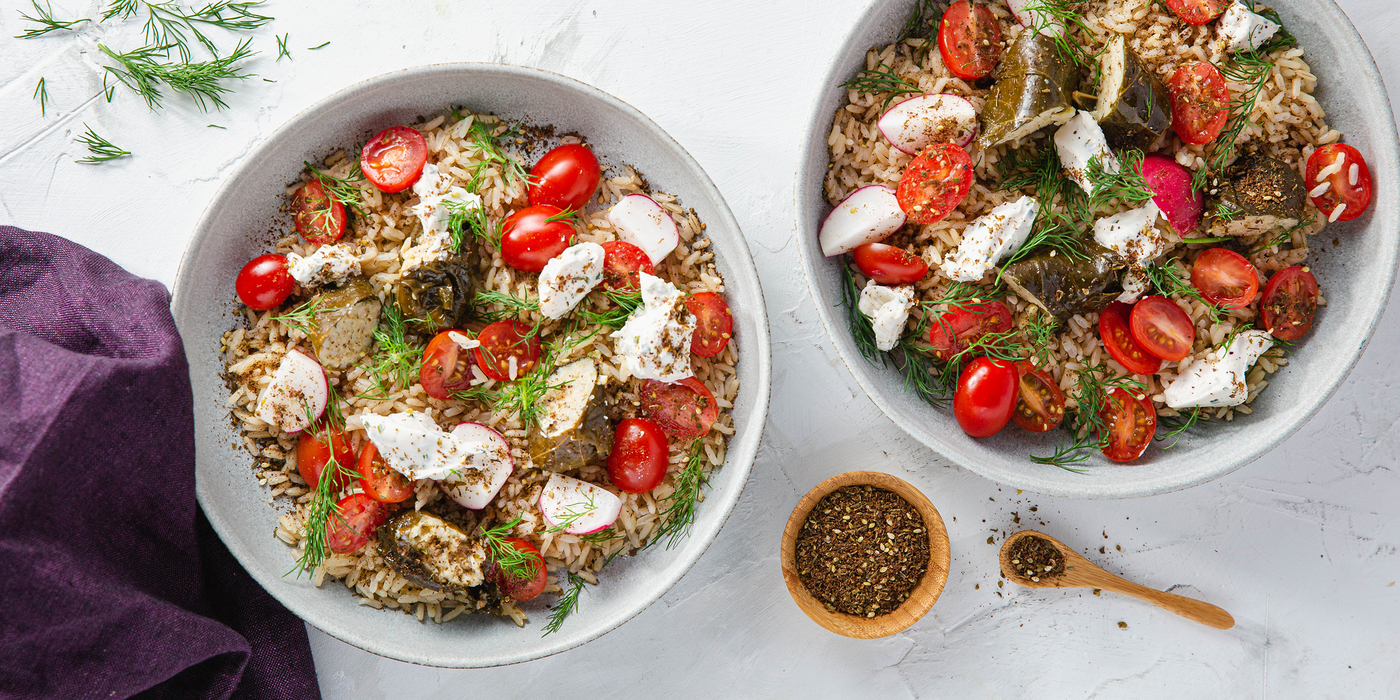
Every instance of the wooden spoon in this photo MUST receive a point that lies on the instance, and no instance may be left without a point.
(1082, 573)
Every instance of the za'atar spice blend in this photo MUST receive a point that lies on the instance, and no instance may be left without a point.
(862, 550)
(1036, 558)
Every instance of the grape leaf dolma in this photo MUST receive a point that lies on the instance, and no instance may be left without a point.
(1066, 285)
(436, 296)
(1033, 89)
(1261, 193)
(1133, 107)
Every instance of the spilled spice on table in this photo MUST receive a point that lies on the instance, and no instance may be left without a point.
(1035, 558)
(862, 550)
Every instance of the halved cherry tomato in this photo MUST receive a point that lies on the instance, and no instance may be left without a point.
(1198, 11)
(446, 366)
(1290, 302)
(639, 456)
(1356, 196)
(1118, 338)
(264, 282)
(1225, 278)
(935, 183)
(318, 216)
(528, 585)
(503, 340)
(887, 264)
(986, 396)
(393, 160)
(958, 328)
(1040, 405)
(1162, 328)
(714, 325)
(534, 235)
(566, 177)
(353, 522)
(1130, 422)
(623, 264)
(969, 40)
(1200, 102)
(686, 409)
(379, 480)
(313, 455)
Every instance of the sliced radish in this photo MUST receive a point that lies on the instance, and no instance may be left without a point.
(577, 507)
(297, 394)
(1172, 191)
(639, 220)
(474, 488)
(867, 215)
(913, 124)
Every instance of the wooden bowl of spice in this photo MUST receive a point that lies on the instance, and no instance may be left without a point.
(865, 554)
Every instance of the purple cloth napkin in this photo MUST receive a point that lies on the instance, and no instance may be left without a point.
(112, 584)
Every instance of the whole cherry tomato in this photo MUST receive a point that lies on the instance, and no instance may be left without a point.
(264, 282)
(566, 177)
(986, 396)
(639, 456)
(533, 236)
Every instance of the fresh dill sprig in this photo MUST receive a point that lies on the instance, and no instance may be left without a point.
(100, 150)
(335, 413)
(959, 296)
(522, 396)
(1169, 280)
(568, 603)
(922, 377)
(571, 514)
(141, 71)
(624, 302)
(1178, 425)
(121, 9)
(1284, 237)
(862, 328)
(514, 306)
(924, 19)
(464, 218)
(396, 361)
(282, 49)
(1055, 231)
(878, 80)
(302, 317)
(319, 46)
(41, 93)
(516, 564)
(322, 506)
(489, 146)
(168, 23)
(679, 514)
(43, 16)
(1091, 433)
(603, 536)
(1225, 211)
(1045, 13)
(1250, 68)
(345, 190)
(1126, 184)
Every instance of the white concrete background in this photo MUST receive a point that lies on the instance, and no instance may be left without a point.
(1300, 546)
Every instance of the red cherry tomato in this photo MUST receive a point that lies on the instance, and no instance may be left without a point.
(1225, 278)
(534, 235)
(959, 328)
(353, 522)
(566, 177)
(969, 40)
(1130, 422)
(686, 409)
(1198, 11)
(623, 264)
(887, 264)
(318, 217)
(714, 325)
(393, 160)
(1040, 405)
(986, 396)
(446, 367)
(1342, 191)
(1162, 328)
(1290, 302)
(264, 282)
(935, 183)
(1200, 102)
(639, 456)
(503, 340)
(1118, 338)
(379, 480)
(313, 455)
(528, 585)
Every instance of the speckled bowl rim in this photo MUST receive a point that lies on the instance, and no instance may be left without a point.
(1199, 458)
(741, 278)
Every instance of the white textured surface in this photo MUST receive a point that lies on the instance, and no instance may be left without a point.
(1301, 547)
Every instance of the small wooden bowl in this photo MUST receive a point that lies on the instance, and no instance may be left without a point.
(920, 600)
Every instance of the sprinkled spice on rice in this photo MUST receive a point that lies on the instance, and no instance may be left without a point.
(461, 440)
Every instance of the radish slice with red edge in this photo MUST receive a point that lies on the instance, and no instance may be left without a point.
(299, 387)
(1170, 182)
(639, 220)
(577, 507)
(474, 488)
(868, 215)
(913, 124)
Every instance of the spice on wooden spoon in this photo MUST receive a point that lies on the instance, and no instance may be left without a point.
(1071, 570)
(862, 550)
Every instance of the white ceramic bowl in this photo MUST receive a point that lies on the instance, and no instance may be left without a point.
(1356, 278)
(235, 229)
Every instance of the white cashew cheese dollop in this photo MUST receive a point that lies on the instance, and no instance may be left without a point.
(568, 277)
(1219, 379)
(888, 309)
(655, 342)
(330, 263)
(412, 444)
(433, 211)
(991, 238)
